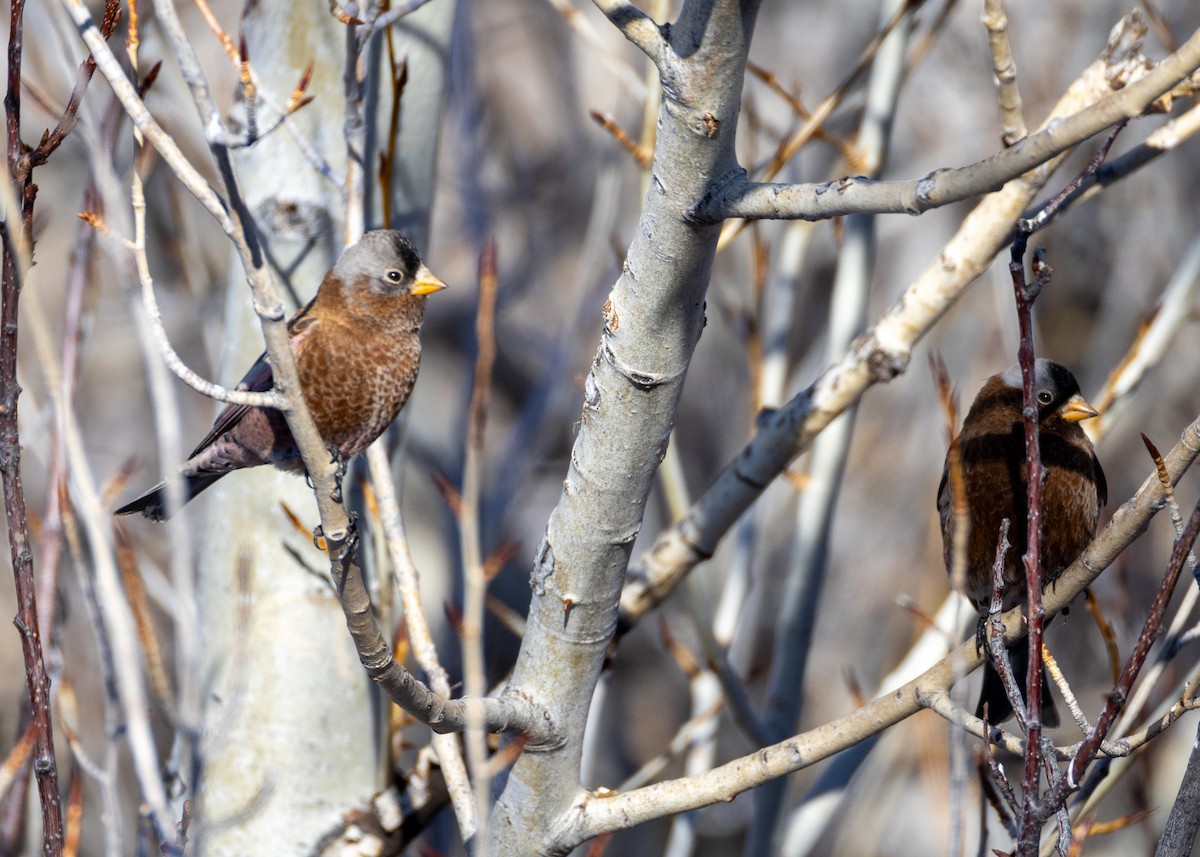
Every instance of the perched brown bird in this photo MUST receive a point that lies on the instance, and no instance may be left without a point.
(357, 352)
(992, 450)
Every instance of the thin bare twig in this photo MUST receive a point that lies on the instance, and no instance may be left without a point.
(447, 746)
(636, 26)
(855, 161)
(608, 122)
(1116, 699)
(1004, 67)
(470, 530)
(20, 194)
(996, 648)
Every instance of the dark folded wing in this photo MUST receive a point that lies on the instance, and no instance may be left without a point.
(258, 380)
(943, 495)
(1101, 483)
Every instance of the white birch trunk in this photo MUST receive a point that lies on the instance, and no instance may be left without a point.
(292, 726)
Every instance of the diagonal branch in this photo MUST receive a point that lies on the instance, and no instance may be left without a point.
(434, 709)
(635, 25)
(510, 713)
(1070, 780)
(591, 816)
(740, 197)
(142, 120)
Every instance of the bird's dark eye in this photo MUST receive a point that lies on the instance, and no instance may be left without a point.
(393, 276)
(1045, 397)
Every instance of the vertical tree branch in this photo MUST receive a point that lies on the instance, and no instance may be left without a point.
(1035, 474)
(17, 249)
(37, 680)
(475, 586)
(1004, 67)
(653, 320)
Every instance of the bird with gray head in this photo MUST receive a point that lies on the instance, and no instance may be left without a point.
(994, 476)
(357, 351)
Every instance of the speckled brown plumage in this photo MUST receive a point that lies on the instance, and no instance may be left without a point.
(357, 351)
(992, 449)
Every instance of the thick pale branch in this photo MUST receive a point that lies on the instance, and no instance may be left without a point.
(653, 319)
(592, 816)
(742, 198)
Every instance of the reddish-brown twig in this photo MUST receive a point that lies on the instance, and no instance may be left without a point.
(17, 250)
(1027, 842)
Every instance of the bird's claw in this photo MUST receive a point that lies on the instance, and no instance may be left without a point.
(981, 634)
(336, 458)
(346, 539)
(349, 540)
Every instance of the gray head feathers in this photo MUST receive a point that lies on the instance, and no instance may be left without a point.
(376, 253)
(1048, 377)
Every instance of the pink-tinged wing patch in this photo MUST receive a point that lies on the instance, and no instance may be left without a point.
(259, 379)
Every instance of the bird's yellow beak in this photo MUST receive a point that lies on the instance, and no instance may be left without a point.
(1077, 409)
(426, 283)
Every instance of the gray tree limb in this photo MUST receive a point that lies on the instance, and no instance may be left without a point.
(737, 196)
(652, 321)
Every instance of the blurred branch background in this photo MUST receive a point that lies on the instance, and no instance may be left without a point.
(522, 161)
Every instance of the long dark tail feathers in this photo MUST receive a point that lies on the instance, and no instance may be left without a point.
(153, 504)
(995, 697)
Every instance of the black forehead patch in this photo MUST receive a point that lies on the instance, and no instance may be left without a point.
(392, 245)
(377, 252)
(404, 250)
(1062, 382)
